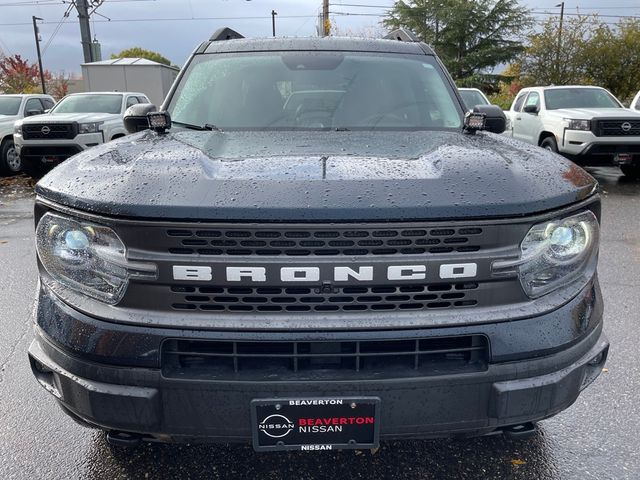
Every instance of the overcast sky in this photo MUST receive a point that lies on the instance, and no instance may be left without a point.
(186, 23)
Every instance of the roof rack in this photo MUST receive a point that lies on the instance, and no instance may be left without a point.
(402, 35)
(225, 33)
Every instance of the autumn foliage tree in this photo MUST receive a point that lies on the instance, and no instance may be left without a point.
(19, 76)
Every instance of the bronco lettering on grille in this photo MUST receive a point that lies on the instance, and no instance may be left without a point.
(312, 274)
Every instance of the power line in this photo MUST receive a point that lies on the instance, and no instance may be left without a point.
(187, 19)
(58, 27)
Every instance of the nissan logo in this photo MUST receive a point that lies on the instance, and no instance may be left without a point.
(46, 130)
(626, 126)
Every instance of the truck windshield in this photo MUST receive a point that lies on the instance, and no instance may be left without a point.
(89, 104)
(315, 90)
(10, 105)
(557, 98)
(472, 98)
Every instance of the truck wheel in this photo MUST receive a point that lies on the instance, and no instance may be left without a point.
(631, 171)
(34, 168)
(549, 143)
(10, 163)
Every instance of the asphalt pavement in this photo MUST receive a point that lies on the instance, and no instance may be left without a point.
(596, 438)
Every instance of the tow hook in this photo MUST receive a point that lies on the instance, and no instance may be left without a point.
(520, 432)
(123, 439)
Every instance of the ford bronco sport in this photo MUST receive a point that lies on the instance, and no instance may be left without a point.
(311, 246)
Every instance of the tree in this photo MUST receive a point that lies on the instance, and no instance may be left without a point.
(612, 58)
(137, 52)
(58, 85)
(592, 53)
(18, 76)
(549, 63)
(470, 36)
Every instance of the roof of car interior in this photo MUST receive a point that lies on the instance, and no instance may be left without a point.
(344, 44)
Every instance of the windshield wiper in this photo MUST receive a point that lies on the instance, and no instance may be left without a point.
(206, 127)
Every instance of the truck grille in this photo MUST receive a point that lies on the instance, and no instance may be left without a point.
(614, 128)
(335, 299)
(323, 242)
(53, 131)
(244, 360)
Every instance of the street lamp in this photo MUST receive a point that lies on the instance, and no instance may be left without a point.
(561, 5)
(37, 35)
(273, 21)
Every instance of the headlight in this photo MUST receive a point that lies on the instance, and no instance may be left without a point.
(89, 127)
(83, 256)
(17, 128)
(556, 253)
(578, 124)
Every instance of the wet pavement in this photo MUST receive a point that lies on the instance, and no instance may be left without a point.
(596, 438)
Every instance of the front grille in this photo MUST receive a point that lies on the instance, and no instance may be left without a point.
(323, 242)
(325, 299)
(304, 360)
(56, 131)
(613, 128)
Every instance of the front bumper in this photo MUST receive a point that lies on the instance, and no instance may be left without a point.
(131, 394)
(56, 150)
(585, 148)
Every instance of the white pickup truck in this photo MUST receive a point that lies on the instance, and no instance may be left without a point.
(12, 109)
(585, 124)
(77, 122)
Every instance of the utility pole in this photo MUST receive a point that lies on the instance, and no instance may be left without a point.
(85, 29)
(273, 21)
(326, 26)
(561, 5)
(35, 32)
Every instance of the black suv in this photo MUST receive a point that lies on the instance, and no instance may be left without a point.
(319, 252)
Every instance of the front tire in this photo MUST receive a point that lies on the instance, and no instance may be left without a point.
(549, 143)
(10, 163)
(631, 171)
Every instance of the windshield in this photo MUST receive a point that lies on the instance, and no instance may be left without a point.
(579, 98)
(10, 105)
(315, 90)
(89, 104)
(472, 98)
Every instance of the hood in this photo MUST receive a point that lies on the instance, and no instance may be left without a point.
(70, 117)
(587, 113)
(9, 119)
(316, 176)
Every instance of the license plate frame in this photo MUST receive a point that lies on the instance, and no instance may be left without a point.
(326, 414)
(623, 158)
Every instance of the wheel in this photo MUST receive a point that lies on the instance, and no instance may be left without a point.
(549, 143)
(631, 171)
(34, 167)
(10, 163)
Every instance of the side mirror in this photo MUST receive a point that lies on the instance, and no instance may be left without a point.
(531, 109)
(486, 117)
(47, 110)
(135, 117)
(31, 113)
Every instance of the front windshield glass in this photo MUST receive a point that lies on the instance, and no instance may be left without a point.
(557, 98)
(10, 105)
(471, 98)
(315, 90)
(89, 104)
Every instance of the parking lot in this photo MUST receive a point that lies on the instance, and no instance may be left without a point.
(594, 439)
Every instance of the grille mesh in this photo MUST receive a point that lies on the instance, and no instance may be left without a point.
(338, 242)
(613, 128)
(323, 359)
(336, 299)
(56, 131)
